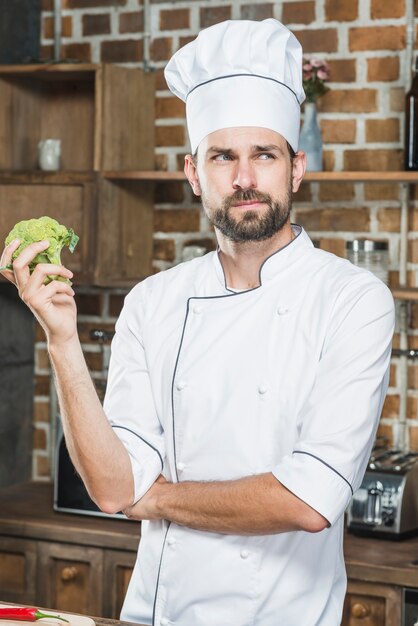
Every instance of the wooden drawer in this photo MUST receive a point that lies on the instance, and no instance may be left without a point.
(118, 567)
(17, 570)
(367, 604)
(70, 578)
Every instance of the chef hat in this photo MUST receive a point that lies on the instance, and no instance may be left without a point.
(240, 73)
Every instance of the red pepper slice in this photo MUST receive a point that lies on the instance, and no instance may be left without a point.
(25, 614)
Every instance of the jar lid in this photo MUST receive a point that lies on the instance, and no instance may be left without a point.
(366, 245)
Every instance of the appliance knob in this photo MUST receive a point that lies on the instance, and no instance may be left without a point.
(360, 610)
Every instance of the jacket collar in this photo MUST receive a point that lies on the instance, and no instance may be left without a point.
(276, 262)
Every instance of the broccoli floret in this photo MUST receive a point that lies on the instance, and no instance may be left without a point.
(43, 228)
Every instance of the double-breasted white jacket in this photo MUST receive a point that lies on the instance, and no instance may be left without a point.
(206, 384)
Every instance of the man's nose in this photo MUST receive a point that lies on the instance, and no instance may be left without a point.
(244, 176)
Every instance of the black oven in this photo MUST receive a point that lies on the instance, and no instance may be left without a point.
(70, 494)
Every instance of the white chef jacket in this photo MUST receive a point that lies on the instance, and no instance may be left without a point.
(206, 384)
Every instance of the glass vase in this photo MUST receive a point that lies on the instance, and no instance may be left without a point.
(310, 140)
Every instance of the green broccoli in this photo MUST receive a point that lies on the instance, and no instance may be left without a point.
(43, 228)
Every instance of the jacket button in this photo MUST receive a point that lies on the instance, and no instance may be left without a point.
(181, 466)
(181, 384)
(197, 309)
(171, 541)
(262, 389)
(164, 621)
(282, 310)
(245, 554)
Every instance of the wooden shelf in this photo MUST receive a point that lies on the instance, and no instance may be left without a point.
(310, 177)
(10, 177)
(406, 293)
(47, 71)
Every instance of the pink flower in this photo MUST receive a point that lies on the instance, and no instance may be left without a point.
(307, 67)
(322, 75)
(316, 62)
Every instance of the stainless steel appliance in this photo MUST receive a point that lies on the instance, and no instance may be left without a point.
(386, 504)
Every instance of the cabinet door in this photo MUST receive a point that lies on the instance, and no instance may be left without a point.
(70, 578)
(70, 202)
(117, 574)
(17, 570)
(368, 604)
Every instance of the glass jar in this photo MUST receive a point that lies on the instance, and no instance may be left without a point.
(371, 255)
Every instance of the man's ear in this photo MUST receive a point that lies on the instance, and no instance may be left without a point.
(191, 173)
(298, 170)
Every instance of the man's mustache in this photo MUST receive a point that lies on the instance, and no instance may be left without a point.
(245, 196)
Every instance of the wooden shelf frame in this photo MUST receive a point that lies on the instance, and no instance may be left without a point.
(310, 177)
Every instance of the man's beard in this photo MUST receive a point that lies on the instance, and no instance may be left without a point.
(252, 225)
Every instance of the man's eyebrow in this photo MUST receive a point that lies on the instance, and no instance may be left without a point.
(268, 148)
(217, 150)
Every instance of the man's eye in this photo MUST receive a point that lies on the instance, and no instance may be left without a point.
(222, 157)
(264, 156)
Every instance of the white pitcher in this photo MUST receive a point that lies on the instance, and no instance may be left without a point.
(49, 154)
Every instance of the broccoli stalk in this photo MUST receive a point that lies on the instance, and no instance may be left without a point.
(43, 228)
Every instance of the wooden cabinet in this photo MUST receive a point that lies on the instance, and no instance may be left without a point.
(104, 117)
(368, 604)
(74, 563)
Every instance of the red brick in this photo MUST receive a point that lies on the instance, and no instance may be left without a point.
(349, 101)
(377, 38)
(212, 15)
(94, 361)
(176, 220)
(341, 10)
(47, 5)
(169, 107)
(397, 99)
(257, 12)
(373, 160)
(304, 193)
(338, 131)
(41, 411)
(160, 82)
(89, 4)
(42, 385)
(389, 220)
(334, 219)
(336, 192)
(161, 162)
(391, 406)
(116, 302)
(382, 130)
(381, 191)
(124, 51)
(298, 12)
(161, 48)
(169, 136)
(42, 466)
(328, 157)
(383, 9)
(172, 192)
(77, 51)
(174, 19)
(89, 303)
(342, 70)
(164, 250)
(46, 52)
(185, 40)
(204, 242)
(42, 358)
(132, 22)
(66, 27)
(96, 24)
(383, 69)
(335, 246)
(318, 40)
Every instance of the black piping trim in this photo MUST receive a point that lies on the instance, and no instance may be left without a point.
(211, 80)
(228, 295)
(327, 465)
(142, 439)
(158, 575)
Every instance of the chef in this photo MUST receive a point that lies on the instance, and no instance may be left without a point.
(245, 386)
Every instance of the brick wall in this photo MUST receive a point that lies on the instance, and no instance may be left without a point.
(361, 119)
